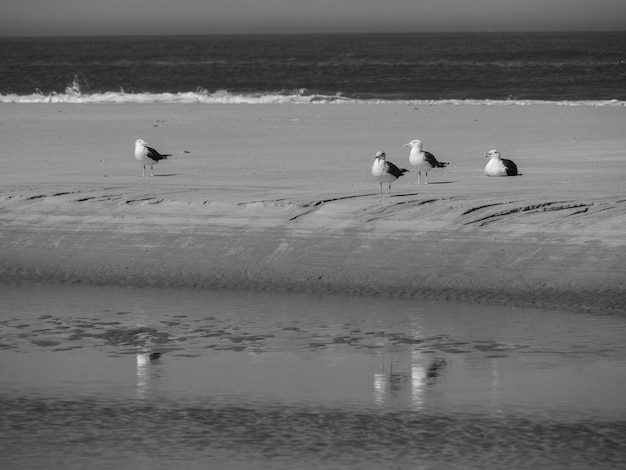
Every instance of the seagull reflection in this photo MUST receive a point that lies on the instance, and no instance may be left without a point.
(143, 375)
(147, 357)
(418, 381)
(436, 368)
(405, 380)
(496, 388)
(154, 357)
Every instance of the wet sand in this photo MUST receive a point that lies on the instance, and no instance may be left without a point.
(281, 197)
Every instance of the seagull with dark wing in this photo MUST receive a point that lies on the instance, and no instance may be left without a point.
(385, 172)
(147, 155)
(498, 166)
(424, 161)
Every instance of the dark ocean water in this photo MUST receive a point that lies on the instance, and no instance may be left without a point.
(491, 66)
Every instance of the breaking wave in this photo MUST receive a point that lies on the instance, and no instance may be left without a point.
(74, 94)
(226, 97)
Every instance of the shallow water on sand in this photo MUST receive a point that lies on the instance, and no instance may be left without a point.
(99, 378)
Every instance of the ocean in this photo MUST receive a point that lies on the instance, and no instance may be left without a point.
(483, 68)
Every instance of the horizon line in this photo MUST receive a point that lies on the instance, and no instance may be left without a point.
(313, 33)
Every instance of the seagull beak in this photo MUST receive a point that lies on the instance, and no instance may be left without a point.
(406, 145)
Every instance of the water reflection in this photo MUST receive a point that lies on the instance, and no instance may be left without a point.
(404, 380)
(147, 358)
(258, 381)
(418, 382)
(495, 402)
(408, 372)
(143, 375)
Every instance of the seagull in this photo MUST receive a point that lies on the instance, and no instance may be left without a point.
(498, 166)
(147, 155)
(385, 172)
(424, 161)
(154, 356)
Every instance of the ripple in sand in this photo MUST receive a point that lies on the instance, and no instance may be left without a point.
(45, 342)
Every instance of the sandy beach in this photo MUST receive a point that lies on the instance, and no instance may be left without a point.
(281, 197)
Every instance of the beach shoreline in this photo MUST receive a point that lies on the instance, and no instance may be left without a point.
(280, 197)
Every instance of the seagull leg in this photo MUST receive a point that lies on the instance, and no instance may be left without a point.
(419, 173)
(144, 171)
(426, 178)
(389, 189)
(380, 198)
(151, 174)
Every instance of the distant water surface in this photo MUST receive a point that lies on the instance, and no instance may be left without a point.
(516, 67)
(114, 378)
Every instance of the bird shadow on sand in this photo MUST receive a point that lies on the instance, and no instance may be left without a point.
(165, 175)
(436, 182)
(399, 195)
(506, 176)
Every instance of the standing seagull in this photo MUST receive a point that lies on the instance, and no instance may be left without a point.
(424, 161)
(498, 166)
(147, 155)
(385, 172)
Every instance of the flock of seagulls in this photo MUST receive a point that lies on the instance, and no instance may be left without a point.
(386, 172)
(382, 170)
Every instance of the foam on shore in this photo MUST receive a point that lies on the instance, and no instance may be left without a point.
(75, 96)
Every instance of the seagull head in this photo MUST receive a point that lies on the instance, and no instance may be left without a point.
(141, 142)
(380, 155)
(414, 144)
(492, 154)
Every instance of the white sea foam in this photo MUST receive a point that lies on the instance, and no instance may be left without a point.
(73, 95)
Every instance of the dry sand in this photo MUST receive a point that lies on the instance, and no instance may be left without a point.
(281, 197)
